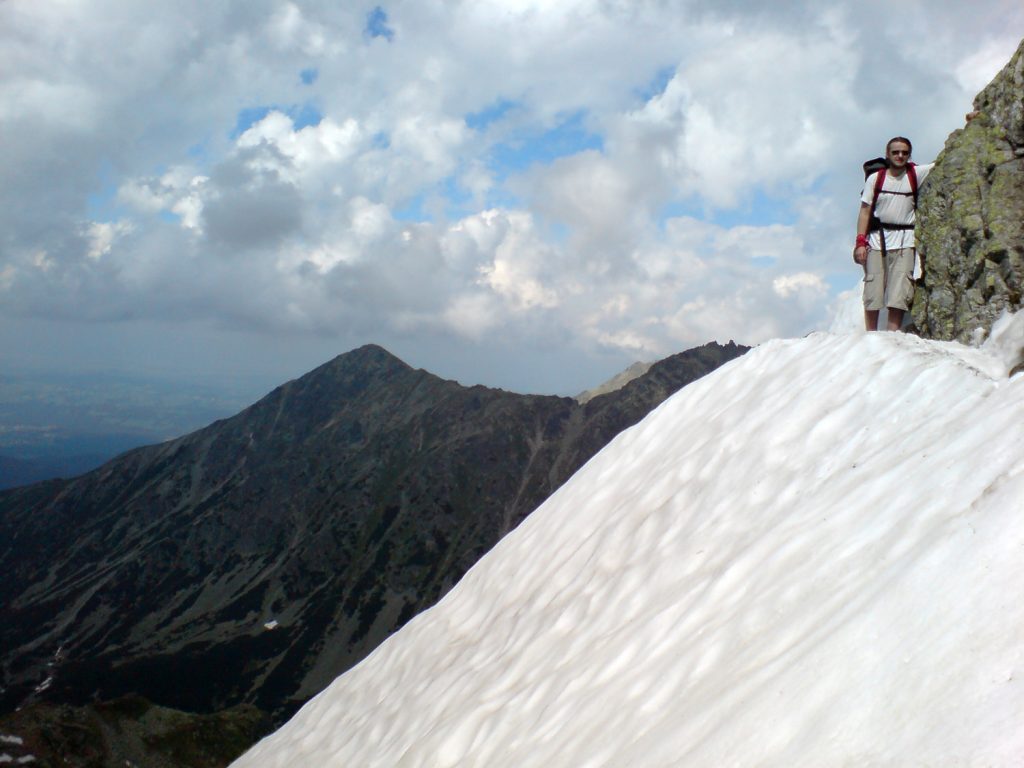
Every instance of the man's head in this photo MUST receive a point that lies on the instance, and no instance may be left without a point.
(897, 152)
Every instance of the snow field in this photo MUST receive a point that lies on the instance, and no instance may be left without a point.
(813, 556)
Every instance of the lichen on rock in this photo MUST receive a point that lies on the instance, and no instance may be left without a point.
(971, 218)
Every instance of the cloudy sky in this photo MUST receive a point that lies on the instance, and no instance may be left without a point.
(519, 193)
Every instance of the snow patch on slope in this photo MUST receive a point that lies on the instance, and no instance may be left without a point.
(812, 556)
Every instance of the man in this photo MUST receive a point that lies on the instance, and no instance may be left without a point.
(887, 252)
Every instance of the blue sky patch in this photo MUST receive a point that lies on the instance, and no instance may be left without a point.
(678, 209)
(478, 121)
(657, 84)
(198, 151)
(308, 76)
(304, 115)
(412, 210)
(377, 24)
(759, 210)
(499, 197)
(300, 114)
(102, 205)
(458, 200)
(843, 281)
(569, 137)
(557, 232)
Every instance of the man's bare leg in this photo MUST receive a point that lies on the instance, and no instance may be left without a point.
(871, 319)
(895, 319)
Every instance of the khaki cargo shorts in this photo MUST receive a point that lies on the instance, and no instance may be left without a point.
(892, 287)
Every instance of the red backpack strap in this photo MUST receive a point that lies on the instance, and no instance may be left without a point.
(912, 173)
(879, 181)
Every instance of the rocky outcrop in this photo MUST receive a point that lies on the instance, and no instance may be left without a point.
(257, 559)
(618, 381)
(971, 218)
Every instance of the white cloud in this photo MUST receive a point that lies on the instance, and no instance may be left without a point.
(978, 69)
(102, 236)
(471, 315)
(308, 148)
(42, 261)
(800, 283)
(715, 198)
(288, 29)
(179, 191)
(505, 278)
(363, 230)
(760, 109)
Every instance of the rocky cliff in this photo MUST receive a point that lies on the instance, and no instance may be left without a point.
(258, 558)
(971, 217)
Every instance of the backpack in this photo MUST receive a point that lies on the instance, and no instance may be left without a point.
(880, 164)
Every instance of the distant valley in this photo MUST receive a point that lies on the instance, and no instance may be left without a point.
(54, 427)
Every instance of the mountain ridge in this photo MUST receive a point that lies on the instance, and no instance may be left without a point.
(334, 508)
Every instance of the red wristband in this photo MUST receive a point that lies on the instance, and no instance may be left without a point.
(862, 240)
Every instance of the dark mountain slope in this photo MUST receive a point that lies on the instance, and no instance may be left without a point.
(126, 732)
(256, 559)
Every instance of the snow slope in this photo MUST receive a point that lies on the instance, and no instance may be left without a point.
(813, 556)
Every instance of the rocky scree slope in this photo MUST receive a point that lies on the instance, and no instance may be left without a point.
(256, 559)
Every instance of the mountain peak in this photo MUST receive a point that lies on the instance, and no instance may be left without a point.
(336, 508)
(368, 356)
(354, 371)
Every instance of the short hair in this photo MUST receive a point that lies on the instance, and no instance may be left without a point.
(904, 139)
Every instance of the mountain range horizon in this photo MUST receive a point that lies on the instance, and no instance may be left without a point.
(51, 428)
(271, 550)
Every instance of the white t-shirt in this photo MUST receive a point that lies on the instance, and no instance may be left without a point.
(894, 209)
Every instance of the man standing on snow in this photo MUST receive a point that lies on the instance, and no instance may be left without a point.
(885, 235)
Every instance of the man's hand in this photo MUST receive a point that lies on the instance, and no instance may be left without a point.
(860, 255)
